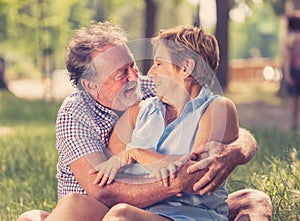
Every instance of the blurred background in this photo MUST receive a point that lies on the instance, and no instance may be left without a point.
(33, 83)
(34, 35)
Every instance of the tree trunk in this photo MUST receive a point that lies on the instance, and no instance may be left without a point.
(99, 10)
(150, 26)
(222, 27)
(3, 85)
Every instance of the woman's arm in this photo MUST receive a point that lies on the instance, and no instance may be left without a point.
(240, 151)
(219, 123)
(121, 136)
(122, 157)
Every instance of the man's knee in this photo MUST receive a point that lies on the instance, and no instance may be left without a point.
(249, 204)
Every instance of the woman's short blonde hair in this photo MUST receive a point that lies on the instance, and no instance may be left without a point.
(192, 43)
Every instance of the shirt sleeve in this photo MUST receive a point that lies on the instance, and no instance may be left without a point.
(76, 138)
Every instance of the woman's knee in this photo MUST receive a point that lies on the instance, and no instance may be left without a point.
(33, 215)
(119, 212)
(72, 199)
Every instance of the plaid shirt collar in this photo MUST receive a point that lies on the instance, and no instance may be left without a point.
(96, 109)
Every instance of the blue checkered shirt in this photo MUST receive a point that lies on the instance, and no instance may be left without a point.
(83, 127)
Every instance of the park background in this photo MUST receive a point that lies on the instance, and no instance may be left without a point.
(33, 38)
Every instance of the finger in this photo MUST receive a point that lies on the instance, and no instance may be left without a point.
(206, 147)
(202, 186)
(201, 149)
(182, 160)
(92, 171)
(220, 176)
(105, 177)
(193, 168)
(165, 176)
(178, 164)
(112, 176)
(103, 180)
(204, 162)
(172, 170)
(158, 175)
(193, 156)
(179, 194)
(212, 186)
(98, 178)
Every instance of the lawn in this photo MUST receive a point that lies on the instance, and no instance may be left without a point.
(28, 162)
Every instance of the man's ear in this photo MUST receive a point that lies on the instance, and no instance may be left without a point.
(188, 67)
(90, 87)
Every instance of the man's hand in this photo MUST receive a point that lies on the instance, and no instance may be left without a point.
(184, 182)
(225, 159)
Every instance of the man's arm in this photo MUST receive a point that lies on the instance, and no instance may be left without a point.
(241, 151)
(137, 192)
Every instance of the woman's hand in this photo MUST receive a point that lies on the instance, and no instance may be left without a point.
(108, 170)
(165, 170)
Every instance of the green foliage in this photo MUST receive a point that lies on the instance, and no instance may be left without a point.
(32, 27)
(257, 36)
(28, 162)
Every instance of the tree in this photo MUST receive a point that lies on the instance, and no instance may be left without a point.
(3, 85)
(150, 27)
(222, 27)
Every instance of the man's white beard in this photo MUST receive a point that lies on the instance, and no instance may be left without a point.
(123, 101)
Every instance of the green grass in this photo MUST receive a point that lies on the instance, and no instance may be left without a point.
(28, 162)
(28, 156)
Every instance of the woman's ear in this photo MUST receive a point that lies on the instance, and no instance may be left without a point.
(90, 87)
(188, 67)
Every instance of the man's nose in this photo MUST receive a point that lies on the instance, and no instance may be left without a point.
(132, 73)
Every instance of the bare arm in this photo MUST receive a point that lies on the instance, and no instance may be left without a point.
(240, 151)
(138, 192)
(122, 157)
(219, 123)
(133, 190)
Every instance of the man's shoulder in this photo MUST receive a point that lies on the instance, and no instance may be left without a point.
(147, 86)
(72, 102)
(74, 106)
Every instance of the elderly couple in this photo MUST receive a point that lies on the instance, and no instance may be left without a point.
(149, 148)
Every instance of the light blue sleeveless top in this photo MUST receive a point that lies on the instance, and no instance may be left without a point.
(177, 138)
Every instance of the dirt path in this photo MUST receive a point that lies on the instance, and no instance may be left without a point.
(261, 115)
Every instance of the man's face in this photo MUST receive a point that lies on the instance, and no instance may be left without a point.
(118, 84)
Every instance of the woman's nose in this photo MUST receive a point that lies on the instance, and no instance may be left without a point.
(151, 72)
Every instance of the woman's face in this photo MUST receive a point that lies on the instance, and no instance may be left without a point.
(167, 78)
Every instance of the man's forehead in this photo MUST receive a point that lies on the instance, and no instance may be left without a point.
(112, 59)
